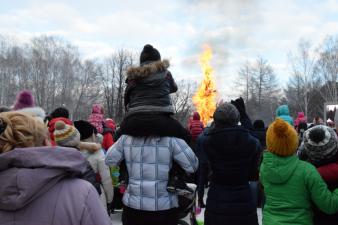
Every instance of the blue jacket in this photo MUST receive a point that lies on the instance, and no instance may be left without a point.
(148, 161)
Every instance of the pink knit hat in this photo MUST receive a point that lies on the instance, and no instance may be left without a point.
(24, 99)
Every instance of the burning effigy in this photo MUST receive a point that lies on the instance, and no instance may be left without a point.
(205, 97)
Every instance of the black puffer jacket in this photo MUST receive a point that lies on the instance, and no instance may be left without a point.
(148, 88)
(233, 155)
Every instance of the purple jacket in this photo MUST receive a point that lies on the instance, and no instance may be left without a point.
(38, 186)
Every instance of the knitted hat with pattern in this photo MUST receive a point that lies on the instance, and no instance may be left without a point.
(320, 144)
(66, 135)
(281, 138)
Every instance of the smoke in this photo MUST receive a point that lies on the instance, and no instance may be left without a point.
(226, 26)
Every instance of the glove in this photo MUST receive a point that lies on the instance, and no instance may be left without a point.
(240, 106)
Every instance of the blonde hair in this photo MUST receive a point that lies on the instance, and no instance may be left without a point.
(20, 131)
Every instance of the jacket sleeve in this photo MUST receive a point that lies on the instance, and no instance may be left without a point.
(324, 199)
(329, 173)
(257, 152)
(115, 153)
(93, 212)
(130, 85)
(172, 83)
(183, 155)
(106, 180)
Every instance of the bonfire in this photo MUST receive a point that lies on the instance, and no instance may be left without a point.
(205, 97)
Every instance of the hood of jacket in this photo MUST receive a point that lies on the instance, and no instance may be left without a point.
(282, 110)
(284, 113)
(97, 109)
(276, 169)
(196, 116)
(35, 112)
(300, 115)
(145, 70)
(51, 124)
(110, 123)
(31, 172)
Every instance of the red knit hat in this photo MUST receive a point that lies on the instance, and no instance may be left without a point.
(24, 99)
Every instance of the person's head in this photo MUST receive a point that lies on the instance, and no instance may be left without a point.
(226, 114)
(24, 99)
(87, 130)
(98, 109)
(19, 130)
(320, 145)
(281, 138)
(196, 116)
(66, 135)
(149, 54)
(4, 109)
(60, 112)
(300, 115)
(259, 125)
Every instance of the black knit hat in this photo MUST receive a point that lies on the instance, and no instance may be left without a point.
(60, 112)
(85, 128)
(149, 53)
(259, 124)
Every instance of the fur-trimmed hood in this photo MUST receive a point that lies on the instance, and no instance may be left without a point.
(135, 73)
(36, 112)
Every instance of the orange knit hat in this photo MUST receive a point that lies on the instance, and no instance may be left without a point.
(281, 138)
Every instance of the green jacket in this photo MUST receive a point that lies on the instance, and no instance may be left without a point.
(290, 186)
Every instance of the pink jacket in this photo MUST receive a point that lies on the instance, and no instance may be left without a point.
(97, 117)
(41, 188)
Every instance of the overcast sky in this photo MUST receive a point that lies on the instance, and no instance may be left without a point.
(236, 30)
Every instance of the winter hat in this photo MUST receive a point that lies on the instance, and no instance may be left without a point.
(24, 99)
(281, 138)
(258, 124)
(226, 114)
(283, 113)
(60, 112)
(4, 109)
(149, 53)
(66, 135)
(320, 144)
(85, 129)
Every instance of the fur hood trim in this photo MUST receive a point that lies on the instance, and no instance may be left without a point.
(134, 73)
(89, 146)
(37, 112)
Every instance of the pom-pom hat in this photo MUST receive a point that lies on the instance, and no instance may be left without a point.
(149, 53)
(24, 99)
(320, 144)
(281, 138)
(66, 135)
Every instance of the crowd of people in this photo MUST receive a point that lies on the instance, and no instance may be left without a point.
(55, 170)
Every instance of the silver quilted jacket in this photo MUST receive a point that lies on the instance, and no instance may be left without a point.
(148, 162)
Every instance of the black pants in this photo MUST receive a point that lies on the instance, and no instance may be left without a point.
(202, 172)
(139, 217)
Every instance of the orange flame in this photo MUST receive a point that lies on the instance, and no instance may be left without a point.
(205, 97)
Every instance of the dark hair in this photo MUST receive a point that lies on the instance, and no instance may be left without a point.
(85, 129)
(259, 124)
(4, 109)
(60, 112)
